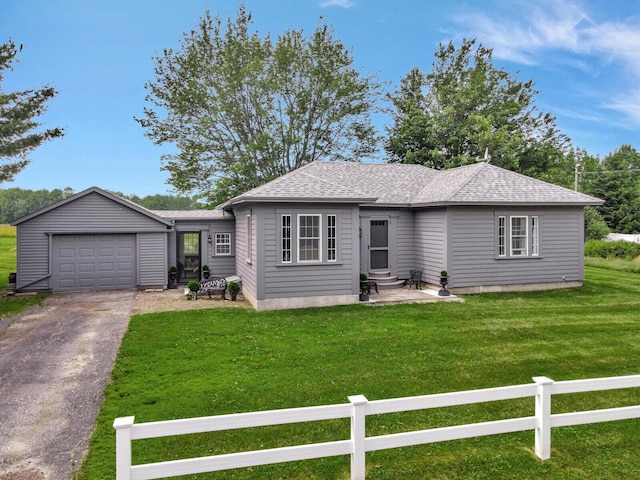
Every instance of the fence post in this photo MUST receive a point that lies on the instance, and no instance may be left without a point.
(358, 435)
(123, 447)
(543, 416)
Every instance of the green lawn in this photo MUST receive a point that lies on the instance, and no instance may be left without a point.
(210, 362)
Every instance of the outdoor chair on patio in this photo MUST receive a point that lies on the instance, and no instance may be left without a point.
(415, 279)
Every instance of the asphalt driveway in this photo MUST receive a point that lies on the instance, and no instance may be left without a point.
(55, 361)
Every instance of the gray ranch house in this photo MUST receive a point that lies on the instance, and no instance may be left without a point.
(303, 239)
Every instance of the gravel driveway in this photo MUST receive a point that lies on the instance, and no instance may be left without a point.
(55, 361)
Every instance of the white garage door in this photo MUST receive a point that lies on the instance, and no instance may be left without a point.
(94, 262)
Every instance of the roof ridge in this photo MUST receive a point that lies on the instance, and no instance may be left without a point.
(482, 166)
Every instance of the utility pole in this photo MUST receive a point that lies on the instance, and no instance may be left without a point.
(575, 181)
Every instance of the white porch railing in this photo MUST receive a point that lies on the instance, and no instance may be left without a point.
(542, 422)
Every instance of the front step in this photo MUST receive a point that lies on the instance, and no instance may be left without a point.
(385, 281)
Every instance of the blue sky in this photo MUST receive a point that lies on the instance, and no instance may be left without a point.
(583, 55)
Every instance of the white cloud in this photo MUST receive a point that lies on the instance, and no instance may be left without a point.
(628, 104)
(337, 3)
(527, 35)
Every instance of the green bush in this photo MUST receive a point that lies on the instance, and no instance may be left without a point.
(193, 285)
(618, 249)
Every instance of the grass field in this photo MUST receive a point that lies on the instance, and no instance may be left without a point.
(210, 362)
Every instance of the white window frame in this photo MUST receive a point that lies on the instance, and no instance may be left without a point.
(512, 237)
(502, 236)
(332, 238)
(222, 239)
(535, 236)
(305, 238)
(286, 247)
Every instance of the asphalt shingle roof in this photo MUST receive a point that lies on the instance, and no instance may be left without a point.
(399, 184)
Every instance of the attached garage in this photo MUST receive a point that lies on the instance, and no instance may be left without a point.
(93, 240)
(94, 262)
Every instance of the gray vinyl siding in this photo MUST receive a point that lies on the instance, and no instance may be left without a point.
(405, 243)
(152, 259)
(92, 213)
(222, 265)
(430, 241)
(472, 244)
(245, 267)
(311, 279)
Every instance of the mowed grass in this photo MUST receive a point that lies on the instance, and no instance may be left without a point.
(11, 305)
(200, 363)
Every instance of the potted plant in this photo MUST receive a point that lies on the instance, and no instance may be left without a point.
(364, 287)
(173, 275)
(193, 286)
(234, 289)
(205, 271)
(444, 280)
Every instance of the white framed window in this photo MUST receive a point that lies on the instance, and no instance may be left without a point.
(309, 239)
(519, 236)
(222, 244)
(535, 237)
(331, 238)
(285, 250)
(502, 236)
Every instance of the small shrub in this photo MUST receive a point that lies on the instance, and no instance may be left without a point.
(363, 277)
(193, 285)
(234, 288)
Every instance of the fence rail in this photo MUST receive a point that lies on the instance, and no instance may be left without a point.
(357, 410)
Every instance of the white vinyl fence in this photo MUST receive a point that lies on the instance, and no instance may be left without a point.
(542, 422)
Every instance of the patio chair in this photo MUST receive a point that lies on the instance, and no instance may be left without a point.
(415, 278)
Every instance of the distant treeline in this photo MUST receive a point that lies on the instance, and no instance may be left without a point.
(17, 202)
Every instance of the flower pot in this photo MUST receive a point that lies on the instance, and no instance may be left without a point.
(173, 284)
(234, 297)
(444, 292)
(206, 273)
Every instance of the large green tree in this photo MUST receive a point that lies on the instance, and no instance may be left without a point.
(617, 182)
(465, 107)
(243, 109)
(18, 110)
(17, 202)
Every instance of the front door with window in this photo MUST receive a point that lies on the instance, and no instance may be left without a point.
(188, 256)
(378, 245)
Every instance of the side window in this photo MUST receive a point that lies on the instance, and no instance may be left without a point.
(285, 251)
(502, 236)
(331, 238)
(223, 244)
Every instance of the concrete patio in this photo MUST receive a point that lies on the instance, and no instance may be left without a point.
(405, 295)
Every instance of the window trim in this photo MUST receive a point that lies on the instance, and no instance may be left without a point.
(312, 238)
(504, 247)
(512, 237)
(502, 236)
(288, 238)
(217, 244)
(295, 214)
(332, 238)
